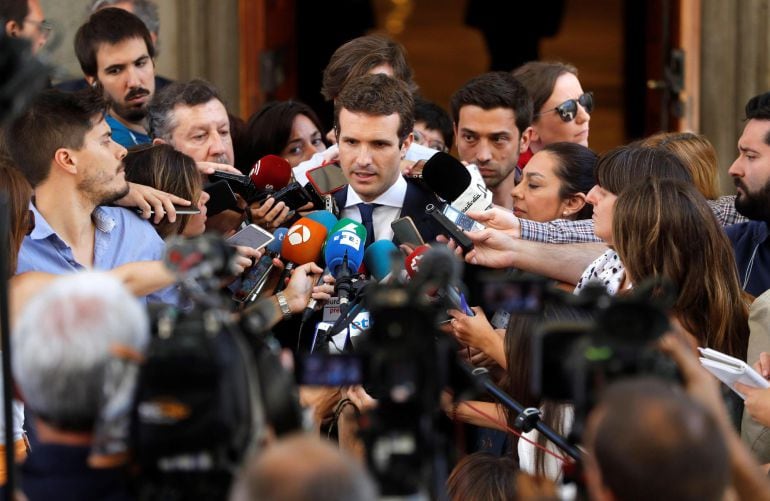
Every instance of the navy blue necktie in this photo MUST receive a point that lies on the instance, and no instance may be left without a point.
(366, 211)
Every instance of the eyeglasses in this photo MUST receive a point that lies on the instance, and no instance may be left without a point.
(419, 138)
(568, 109)
(44, 27)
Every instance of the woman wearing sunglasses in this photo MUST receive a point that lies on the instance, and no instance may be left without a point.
(562, 110)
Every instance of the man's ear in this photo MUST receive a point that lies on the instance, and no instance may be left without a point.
(526, 138)
(64, 159)
(92, 81)
(406, 144)
(158, 140)
(12, 28)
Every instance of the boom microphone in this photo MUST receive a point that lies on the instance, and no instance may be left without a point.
(455, 183)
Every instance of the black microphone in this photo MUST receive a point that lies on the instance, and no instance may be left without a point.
(439, 268)
(455, 183)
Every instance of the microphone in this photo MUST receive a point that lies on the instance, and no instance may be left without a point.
(347, 224)
(324, 217)
(378, 258)
(344, 254)
(412, 261)
(271, 172)
(456, 184)
(327, 219)
(302, 244)
(204, 256)
(303, 241)
(438, 267)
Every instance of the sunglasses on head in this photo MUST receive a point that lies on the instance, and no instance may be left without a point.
(568, 109)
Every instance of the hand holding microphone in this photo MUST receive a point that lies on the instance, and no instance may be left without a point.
(270, 174)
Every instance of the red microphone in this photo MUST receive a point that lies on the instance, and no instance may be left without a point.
(412, 261)
(271, 172)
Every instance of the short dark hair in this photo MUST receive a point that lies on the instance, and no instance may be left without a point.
(496, 89)
(160, 112)
(145, 10)
(758, 108)
(653, 442)
(359, 56)
(13, 10)
(620, 167)
(269, 129)
(435, 118)
(54, 120)
(110, 26)
(576, 170)
(377, 95)
(539, 78)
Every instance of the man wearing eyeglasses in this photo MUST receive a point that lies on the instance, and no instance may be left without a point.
(492, 115)
(25, 19)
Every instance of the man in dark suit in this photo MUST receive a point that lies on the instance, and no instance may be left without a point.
(375, 116)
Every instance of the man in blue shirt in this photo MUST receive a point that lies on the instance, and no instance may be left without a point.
(62, 144)
(115, 52)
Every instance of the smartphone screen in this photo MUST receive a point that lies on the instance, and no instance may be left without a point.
(460, 219)
(330, 370)
(251, 236)
(327, 179)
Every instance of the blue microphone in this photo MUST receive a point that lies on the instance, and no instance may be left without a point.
(378, 258)
(324, 217)
(344, 254)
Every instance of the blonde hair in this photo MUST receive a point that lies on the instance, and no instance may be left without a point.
(696, 153)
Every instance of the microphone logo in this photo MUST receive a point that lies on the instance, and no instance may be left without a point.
(350, 239)
(415, 264)
(298, 234)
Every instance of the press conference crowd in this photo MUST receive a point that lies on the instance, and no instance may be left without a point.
(169, 261)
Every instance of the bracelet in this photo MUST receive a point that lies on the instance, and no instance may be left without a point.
(284, 305)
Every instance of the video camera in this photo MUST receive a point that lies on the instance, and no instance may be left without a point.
(587, 341)
(211, 383)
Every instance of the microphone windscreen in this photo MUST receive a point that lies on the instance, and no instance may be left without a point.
(324, 217)
(278, 235)
(412, 261)
(341, 244)
(446, 176)
(271, 172)
(347, 224)
(303, 241)
(377, 258)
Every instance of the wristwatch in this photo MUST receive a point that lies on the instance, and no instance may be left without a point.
(284, 305)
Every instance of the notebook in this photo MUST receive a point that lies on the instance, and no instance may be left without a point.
(731, 370)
